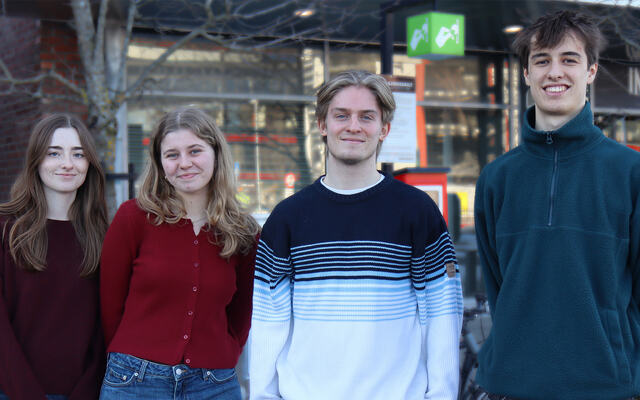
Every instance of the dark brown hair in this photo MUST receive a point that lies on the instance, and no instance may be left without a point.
(549, 30)
(27, 207)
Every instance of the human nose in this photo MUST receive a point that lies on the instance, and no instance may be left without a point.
(185, 162)
(555, 70)
(354, 124)
(67, 162)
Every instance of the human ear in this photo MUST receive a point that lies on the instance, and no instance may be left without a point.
(526, 76)
(385, 131)
(322, 125)
(591, 73)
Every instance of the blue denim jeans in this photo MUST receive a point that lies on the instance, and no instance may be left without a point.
(128, 377)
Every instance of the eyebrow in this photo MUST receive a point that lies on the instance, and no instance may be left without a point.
(566, 53)
(339, 109)
(60, 148)
(195, 145)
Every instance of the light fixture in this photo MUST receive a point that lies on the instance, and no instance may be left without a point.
(304, 12)
(512, 29)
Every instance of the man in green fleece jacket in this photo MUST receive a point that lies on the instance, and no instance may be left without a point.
(558, 228)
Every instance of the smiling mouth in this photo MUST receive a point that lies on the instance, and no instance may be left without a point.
(187, 176)
(556, 89)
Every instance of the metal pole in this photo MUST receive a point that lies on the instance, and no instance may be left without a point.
(386, 54)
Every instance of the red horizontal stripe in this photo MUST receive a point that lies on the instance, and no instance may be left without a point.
(268, 176)
(251, 138)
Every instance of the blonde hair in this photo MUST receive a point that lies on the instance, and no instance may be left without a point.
(375, 83)
(232, 227)
(27, 207)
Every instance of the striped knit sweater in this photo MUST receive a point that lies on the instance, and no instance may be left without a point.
(356, 297)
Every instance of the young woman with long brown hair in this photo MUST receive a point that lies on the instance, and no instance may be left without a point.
(177, 271)
(51, 235)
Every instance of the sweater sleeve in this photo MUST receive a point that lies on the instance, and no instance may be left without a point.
(438, 289)
(485, 235)
(634, 241)
(119, 251)
(271, 321)
(239, 310)
(16, 377)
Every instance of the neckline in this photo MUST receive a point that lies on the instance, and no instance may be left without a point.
(349, 198)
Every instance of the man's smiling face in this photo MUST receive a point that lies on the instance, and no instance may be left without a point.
(558, 79)
(354, 127)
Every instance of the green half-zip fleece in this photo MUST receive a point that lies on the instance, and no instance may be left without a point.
(558, 228)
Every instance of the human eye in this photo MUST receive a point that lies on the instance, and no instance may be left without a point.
(540, 62)
(368, 117)
(340, 116)
(171, 156)
(571, 61)
(196, 151)
(78, 155)
(53, 153)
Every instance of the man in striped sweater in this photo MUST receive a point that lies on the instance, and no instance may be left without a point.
(357, 290)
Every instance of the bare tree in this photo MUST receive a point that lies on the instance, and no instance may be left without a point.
(238, 25)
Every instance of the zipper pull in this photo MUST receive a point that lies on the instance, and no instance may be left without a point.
(549, 138)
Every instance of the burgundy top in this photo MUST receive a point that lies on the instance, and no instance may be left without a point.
(169, 297)
(50, 335)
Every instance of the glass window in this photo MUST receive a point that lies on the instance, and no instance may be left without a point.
(469, 79)
(203, 67)
(632, 125)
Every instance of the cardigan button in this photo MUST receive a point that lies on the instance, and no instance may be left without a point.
(189, 313)
(186, 337)
(195, 264)
(195, 241)
(195, 289)
(188, 361)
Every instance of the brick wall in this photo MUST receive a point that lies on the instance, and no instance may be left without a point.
(28, 47)
(59, 51)
(19, 49)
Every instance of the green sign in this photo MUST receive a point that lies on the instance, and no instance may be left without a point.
(435, 35)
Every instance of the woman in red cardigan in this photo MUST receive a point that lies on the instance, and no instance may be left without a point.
(51, 232)
(177, 271)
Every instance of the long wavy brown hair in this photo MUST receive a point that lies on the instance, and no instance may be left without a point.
(233, 228)
(26, 211)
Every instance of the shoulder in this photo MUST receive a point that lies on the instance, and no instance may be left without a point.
(130, 208)
(129, 213)
(497, 170)
(408, 197)
(295, 203)
(620, 152)
(619, 161)
(503, 161)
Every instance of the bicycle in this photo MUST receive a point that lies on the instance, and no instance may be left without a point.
(474, 322)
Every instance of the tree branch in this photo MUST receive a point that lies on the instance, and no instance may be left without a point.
(133, 4)
(11, 80)
(178, 44)
(98, 49)
(95, 78)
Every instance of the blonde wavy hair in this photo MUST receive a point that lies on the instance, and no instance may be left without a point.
(231, 226)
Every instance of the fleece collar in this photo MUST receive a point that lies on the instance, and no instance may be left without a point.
(573, 138)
